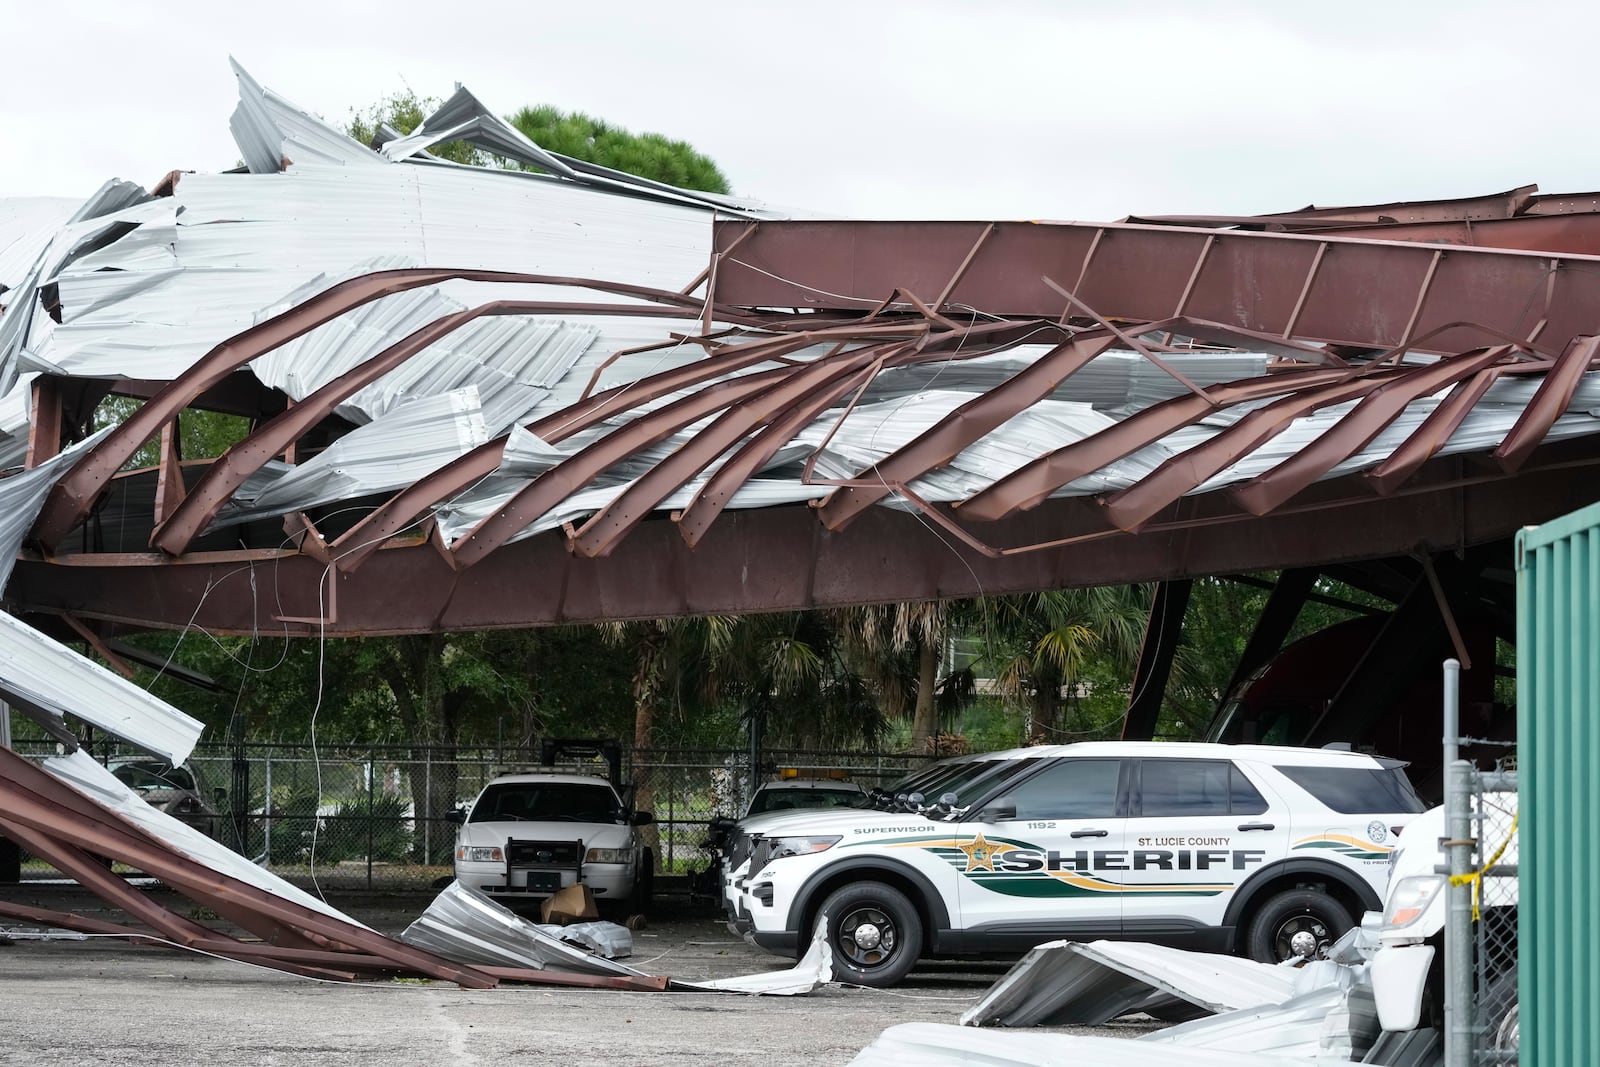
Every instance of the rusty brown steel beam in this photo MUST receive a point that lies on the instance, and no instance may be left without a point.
(1490, 206)
(712, 497)
(78, 811)
(357, 544)
(1030, 484)
(66, 920)
(1180, 475)
(74, 495)
(1548, 403)
(816, 387)
(1370, 417)
(1435, 431)
(26, 787)
(639, 984)
(88, 872)
(567, 477)
(778, 559)
(1316, 288)
(245, 457)
(94, 641)
(403, 509)
(945, 439)
(44, 421)
(1577, 233)
(1562, 203)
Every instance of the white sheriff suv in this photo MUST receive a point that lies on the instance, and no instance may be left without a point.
(1263, 851)
(528, 835)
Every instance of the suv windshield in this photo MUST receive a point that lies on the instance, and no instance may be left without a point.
(987, 775)
(780, 799)
(919, 779)
(546, 802)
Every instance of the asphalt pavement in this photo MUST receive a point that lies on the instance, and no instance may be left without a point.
(110, 1003)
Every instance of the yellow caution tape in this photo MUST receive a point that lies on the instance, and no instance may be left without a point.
(1475, 878)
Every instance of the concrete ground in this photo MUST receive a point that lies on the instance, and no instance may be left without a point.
(110, 1003)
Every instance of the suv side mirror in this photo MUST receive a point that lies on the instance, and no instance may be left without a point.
(456, 815)
(642, 818)
(1002, 810)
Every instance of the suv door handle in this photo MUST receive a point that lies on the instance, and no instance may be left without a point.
(1256, 826)
(1089, 833)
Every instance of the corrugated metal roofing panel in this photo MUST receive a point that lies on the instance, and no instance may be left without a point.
(268, 129)
(27, 225)
(407, 442)
(463, 925)
(48, 678)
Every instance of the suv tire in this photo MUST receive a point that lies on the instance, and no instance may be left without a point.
(1294, 911)
(875, 932)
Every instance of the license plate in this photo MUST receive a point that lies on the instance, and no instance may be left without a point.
(550, 880)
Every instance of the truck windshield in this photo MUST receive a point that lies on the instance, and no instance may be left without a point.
(546, 802)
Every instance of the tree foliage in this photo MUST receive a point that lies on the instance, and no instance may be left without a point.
(649, 155)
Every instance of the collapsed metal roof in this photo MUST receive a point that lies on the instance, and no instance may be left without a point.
(574, 394)
(455, 362)
(494, 397)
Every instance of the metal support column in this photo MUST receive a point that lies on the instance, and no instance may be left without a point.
(1458, 958)
(1161, 635)
(1283, 606)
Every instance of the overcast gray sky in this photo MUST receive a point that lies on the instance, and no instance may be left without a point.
(871, 108)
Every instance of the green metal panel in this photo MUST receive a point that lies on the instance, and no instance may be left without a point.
(1558, 702)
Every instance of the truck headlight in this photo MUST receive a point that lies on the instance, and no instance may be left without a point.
(609, 855)
(801, 846)
(1409, 899)
(479, 854)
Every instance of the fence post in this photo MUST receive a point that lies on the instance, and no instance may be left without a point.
(266, 816)
(426, 814)
(372, 782)
(1458, 963)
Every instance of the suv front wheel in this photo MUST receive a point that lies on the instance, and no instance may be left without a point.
(1289, 923)
(875, 932)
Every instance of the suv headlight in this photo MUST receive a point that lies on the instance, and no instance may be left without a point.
(801, 846)
(609, 855)
(1409, 899)
(479, 854)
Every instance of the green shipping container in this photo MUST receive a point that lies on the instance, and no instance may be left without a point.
(1558, 749)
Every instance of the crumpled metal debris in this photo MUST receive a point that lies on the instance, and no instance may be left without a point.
(1065, 982)
(464, 925)
(1318, 1011)
(611, 940)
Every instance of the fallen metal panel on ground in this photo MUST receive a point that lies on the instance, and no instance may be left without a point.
(1066, 982)
(465, 925)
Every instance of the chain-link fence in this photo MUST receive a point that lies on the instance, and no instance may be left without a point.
(377, 817)
(1481, 1005)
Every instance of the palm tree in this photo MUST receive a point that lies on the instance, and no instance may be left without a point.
(1037, 643)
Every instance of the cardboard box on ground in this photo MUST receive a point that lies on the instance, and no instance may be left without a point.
(573, 904)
